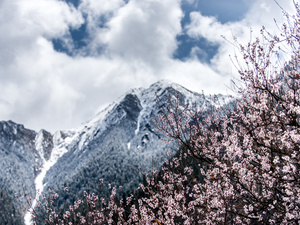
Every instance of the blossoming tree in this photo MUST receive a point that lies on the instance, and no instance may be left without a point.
(238, 165)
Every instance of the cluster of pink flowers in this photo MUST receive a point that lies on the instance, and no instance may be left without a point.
(235, 166)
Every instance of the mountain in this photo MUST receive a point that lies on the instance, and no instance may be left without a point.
(20, 164)
(118, 145)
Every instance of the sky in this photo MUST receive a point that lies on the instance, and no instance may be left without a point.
(62, 61)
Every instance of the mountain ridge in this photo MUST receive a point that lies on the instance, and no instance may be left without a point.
(117, 144)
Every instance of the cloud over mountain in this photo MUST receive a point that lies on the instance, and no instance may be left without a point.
(62, 60)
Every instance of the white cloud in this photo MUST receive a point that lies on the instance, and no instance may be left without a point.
(43, 88)
(198, 53)
(261, 13)
(23, 22)
(29, 67)
(97, 8)
(197, 77)
(145, 31)
(97, 13)
(210, 28)
(49, 18)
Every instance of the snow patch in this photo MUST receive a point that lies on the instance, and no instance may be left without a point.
(57, 152)
(137, 125)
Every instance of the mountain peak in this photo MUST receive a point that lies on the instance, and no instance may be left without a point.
(164, 83)
(112, 145)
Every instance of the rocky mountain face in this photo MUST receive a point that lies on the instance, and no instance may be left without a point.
(20, 163)
(118, 145)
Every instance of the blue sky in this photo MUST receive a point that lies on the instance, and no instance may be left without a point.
(61, 61)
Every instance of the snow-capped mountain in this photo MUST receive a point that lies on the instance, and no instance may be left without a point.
(20, 164)
(117, 145)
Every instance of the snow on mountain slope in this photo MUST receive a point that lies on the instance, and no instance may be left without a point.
(50, 149)
(20, 163)
(118, 144)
